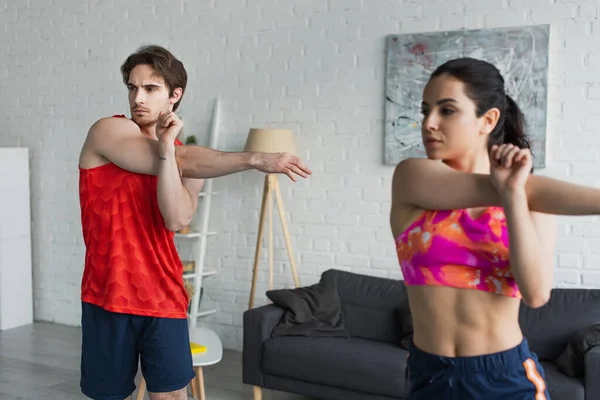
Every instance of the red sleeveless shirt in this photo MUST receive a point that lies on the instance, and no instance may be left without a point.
(131, 263)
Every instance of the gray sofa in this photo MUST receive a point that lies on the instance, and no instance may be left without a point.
(371, 363)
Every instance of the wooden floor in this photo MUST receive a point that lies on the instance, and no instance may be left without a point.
(41, 361)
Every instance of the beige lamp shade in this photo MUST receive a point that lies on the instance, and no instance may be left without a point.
(271, 141)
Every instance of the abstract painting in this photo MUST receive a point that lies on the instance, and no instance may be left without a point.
(521, 55)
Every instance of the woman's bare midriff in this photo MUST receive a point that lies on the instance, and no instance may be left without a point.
(455, 322)
(463, 322)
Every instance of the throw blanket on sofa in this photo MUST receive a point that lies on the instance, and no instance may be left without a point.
(310, 311)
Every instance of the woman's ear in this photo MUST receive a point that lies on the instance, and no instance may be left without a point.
(489, 120)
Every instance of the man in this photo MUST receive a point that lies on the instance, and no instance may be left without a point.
(136, 188)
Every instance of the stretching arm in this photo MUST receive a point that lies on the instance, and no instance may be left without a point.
(532, 240)
(120, 141)
(204, 162)
(554, 196)
(433, 185)
(177, 196)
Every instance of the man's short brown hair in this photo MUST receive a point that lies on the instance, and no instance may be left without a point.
(164, 64)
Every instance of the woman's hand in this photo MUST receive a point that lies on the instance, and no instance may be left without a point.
(510, 168)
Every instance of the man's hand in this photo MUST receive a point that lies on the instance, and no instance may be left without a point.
(281, 163)
(168, 127)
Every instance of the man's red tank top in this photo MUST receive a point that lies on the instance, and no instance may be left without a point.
(131, 263)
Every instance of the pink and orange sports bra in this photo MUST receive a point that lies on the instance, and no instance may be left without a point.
(450, 248)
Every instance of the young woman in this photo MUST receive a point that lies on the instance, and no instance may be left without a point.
(452, 221)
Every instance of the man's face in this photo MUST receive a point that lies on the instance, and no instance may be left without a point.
(148, 95)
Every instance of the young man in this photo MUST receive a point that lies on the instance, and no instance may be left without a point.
(136, 188)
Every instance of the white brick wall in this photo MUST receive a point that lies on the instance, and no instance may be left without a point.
(315, 66)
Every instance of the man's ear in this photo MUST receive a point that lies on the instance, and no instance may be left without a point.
(489, 120)
(177, 93)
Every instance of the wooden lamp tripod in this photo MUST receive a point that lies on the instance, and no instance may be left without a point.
(271, 141)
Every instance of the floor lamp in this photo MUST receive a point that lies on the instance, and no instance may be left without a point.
(271, 141)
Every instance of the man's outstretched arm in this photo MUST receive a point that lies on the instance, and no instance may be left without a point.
(121, 142)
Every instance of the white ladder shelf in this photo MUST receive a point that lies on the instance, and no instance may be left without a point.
(202, 235)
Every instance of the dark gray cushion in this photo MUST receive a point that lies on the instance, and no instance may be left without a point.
(313, 310)
(560, 386)
(349, 363)
(549, 328)
(373, 307)
(570, 362)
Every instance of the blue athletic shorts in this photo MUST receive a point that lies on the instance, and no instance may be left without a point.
(514, 374)
(113, 343)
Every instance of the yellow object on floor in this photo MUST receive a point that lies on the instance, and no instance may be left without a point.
(197, 348)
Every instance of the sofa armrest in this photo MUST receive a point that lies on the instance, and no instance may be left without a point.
(591, 361)
(259, 323)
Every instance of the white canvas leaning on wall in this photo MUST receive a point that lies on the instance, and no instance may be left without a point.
(520, 53)
(16, 291)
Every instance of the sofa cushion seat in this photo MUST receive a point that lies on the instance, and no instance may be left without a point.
(358, 364)
(561, 386)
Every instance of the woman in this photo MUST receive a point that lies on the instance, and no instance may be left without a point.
(451, 221)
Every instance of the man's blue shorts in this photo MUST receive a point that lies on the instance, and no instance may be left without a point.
(514, 374)
(113, 343)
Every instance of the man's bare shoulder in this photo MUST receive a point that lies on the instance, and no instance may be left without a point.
(100, 135)
(113, 126)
